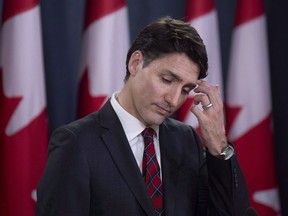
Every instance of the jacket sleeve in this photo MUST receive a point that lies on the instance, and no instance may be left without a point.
(222, 189)
(66, 168)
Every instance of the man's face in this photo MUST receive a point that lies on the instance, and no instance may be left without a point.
(160, 88)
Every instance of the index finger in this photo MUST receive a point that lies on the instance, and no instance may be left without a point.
(212, 91)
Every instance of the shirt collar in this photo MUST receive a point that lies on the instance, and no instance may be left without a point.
(131, 125)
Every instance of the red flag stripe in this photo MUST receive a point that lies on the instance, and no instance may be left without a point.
(246, 11)
(13, 7)
(197, 8)
(100, 8)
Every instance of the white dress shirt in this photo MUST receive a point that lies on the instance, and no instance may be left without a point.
(133, 128)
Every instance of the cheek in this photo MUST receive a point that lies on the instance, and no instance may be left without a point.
(154, 87)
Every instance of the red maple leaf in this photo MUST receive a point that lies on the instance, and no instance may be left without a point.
(256, 157)
(22, 158)
(86, 102)
(7, 107)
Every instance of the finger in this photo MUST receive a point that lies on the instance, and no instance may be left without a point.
(196, 111)
(212, 91)
(205, 87)
(201, 98)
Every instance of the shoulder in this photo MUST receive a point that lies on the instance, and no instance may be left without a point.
(82, 124)
(94, 121)
(79, 129)
(76, 138)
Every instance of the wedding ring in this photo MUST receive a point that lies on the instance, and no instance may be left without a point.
(208, 106)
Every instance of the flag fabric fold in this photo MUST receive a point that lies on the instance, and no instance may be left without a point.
(23, 117)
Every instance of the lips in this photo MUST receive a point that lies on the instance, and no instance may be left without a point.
(164, 110)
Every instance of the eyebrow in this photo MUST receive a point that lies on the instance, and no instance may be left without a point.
(190, 85)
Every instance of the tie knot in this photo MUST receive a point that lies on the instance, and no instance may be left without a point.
(148, 133)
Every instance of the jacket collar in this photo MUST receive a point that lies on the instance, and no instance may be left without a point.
(120, 150)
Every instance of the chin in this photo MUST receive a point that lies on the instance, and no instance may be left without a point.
(156, 121)
(153, 118)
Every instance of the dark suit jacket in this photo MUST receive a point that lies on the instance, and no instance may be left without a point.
(91, 170)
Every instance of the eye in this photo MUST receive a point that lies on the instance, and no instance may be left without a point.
(186, 91)
(165, 80)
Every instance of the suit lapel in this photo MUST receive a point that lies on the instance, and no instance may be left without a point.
(169, 165)
(123, 157)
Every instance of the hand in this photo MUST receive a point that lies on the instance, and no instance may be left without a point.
(211, 118)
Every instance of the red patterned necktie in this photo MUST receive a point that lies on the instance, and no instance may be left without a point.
(151, 172)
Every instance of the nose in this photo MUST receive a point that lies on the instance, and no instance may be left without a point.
(172, 97)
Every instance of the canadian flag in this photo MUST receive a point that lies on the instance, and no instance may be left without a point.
(105, 45)
(249, 122)
(202, 15)
(23, 120)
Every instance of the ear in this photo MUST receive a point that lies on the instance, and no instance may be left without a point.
(135, 62)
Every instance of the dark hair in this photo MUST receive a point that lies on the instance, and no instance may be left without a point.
(166, 35)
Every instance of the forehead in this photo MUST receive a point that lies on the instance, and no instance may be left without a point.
(178, 63)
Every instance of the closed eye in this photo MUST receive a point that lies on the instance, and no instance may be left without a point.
(186, 92)
(188, 89)
(165, 80)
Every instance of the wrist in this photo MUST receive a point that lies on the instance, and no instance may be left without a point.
(226, 153)
(217, 148)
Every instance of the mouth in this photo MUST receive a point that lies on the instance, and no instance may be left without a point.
(164, 110)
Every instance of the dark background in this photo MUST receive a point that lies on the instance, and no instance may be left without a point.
(62, 23)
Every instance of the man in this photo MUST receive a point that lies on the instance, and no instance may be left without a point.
(104, 164)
